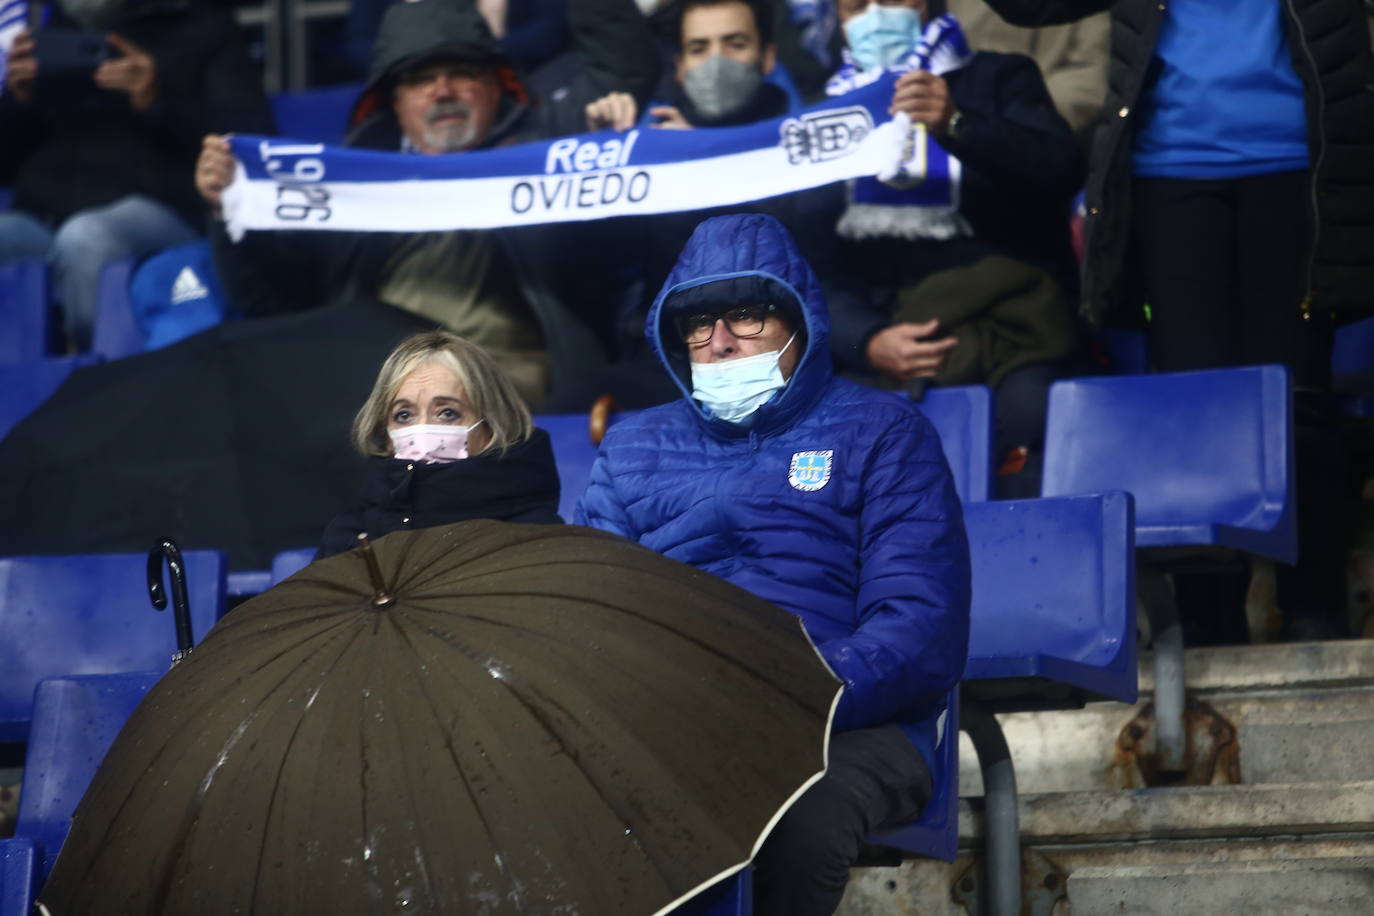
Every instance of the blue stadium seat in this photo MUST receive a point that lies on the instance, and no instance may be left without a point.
(732, 897)
(936, 834)
(1129, 351)
(1352, 368)
(25, 322)
(1208, 456)
(66, 615)
(315, 115)
(289, 562)
(575, 453)
(18, 868)
(248, 582)
(116, 332)
(75, 720)
(963, 417)
(27, 385)
(1052, 623)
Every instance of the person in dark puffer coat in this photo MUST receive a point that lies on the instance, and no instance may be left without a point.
(1331, 208)
(832, 500)
(448, 440)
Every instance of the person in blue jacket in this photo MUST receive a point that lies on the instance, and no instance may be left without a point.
(832, 500)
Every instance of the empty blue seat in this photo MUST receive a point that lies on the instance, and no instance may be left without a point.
(116, 333)
(1352, 368)
(89, 615)
(18, 870)
(315, 115)
(75, 720)
(28, 384)
(575, 453)
(1053, 613)
(732, 897)
(248, 582)
(963, 417)
(289, 562)
(1208, 456)
(25, 322)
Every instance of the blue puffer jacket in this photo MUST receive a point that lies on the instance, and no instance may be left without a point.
(874, 560)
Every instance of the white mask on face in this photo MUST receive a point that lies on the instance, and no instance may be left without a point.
(881, 36)
(733, 390)
(431, 443)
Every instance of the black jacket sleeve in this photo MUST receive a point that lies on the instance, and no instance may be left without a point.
(23, 131)
(618, 53)
(1035, 13)
(1009, 129)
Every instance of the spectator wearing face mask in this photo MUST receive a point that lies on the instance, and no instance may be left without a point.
(447, 440)
(535, 297)
(101, 116)
(829, 499)
(725, 50)
(978, 289)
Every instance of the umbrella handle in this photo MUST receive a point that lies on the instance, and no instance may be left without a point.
(181, 606)
(381, 596)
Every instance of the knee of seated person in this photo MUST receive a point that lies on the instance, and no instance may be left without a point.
(88, 235)
(822, 829)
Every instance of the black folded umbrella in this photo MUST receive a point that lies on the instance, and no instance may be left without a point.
(236, 439)
(499, 719)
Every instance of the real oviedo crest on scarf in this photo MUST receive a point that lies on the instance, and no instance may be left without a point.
(810, 470)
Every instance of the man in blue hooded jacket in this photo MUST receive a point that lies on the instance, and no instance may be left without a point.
(832, 500)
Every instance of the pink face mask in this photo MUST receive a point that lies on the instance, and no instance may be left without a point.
(431, 443)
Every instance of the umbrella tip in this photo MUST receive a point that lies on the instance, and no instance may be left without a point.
(381, 597)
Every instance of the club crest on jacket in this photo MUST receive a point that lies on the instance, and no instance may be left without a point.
(810, 470)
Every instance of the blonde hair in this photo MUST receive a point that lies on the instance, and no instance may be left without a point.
(490, 394)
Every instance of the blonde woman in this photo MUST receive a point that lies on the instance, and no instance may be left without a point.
(447, 440)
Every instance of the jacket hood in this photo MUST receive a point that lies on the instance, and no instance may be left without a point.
(736, 260)
(414, 31)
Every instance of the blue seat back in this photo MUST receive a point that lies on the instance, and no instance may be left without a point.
(963, 417)
(289, 562)
(25, 325)
(27, 385)
(936, 833)
(75, 720)
(315, 115)
(116, 333)
(1054, 592)
(18, 870)
(90, 615)
(1207, 455)
(574, 452)
(733, 896)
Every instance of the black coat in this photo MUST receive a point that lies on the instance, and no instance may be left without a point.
(564, 271)
(1329, 40)
(1021, 169)
(517, 485)
(90, 154)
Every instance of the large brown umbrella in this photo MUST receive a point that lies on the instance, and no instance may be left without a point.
(533, 719)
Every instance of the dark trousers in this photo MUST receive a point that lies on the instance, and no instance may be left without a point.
(876, 779)
(1224, 265)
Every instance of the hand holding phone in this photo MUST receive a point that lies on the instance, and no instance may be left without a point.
(133, 72)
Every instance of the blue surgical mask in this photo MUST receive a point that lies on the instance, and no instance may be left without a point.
(881, 36)
(733, 390)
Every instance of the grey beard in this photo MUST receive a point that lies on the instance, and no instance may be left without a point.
(721, 86)
(92, 15)
(450, 138)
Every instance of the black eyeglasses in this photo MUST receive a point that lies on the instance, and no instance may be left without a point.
(742, 320)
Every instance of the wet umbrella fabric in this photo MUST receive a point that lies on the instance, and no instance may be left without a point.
(547, 719)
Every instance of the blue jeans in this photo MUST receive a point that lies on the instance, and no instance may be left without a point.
(128, 228)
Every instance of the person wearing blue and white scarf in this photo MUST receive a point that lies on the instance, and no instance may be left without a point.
(1015, 170)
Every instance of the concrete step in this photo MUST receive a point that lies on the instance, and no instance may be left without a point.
(1303, 713)
(1066, 832)
(1330, 887)
(931, 888)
